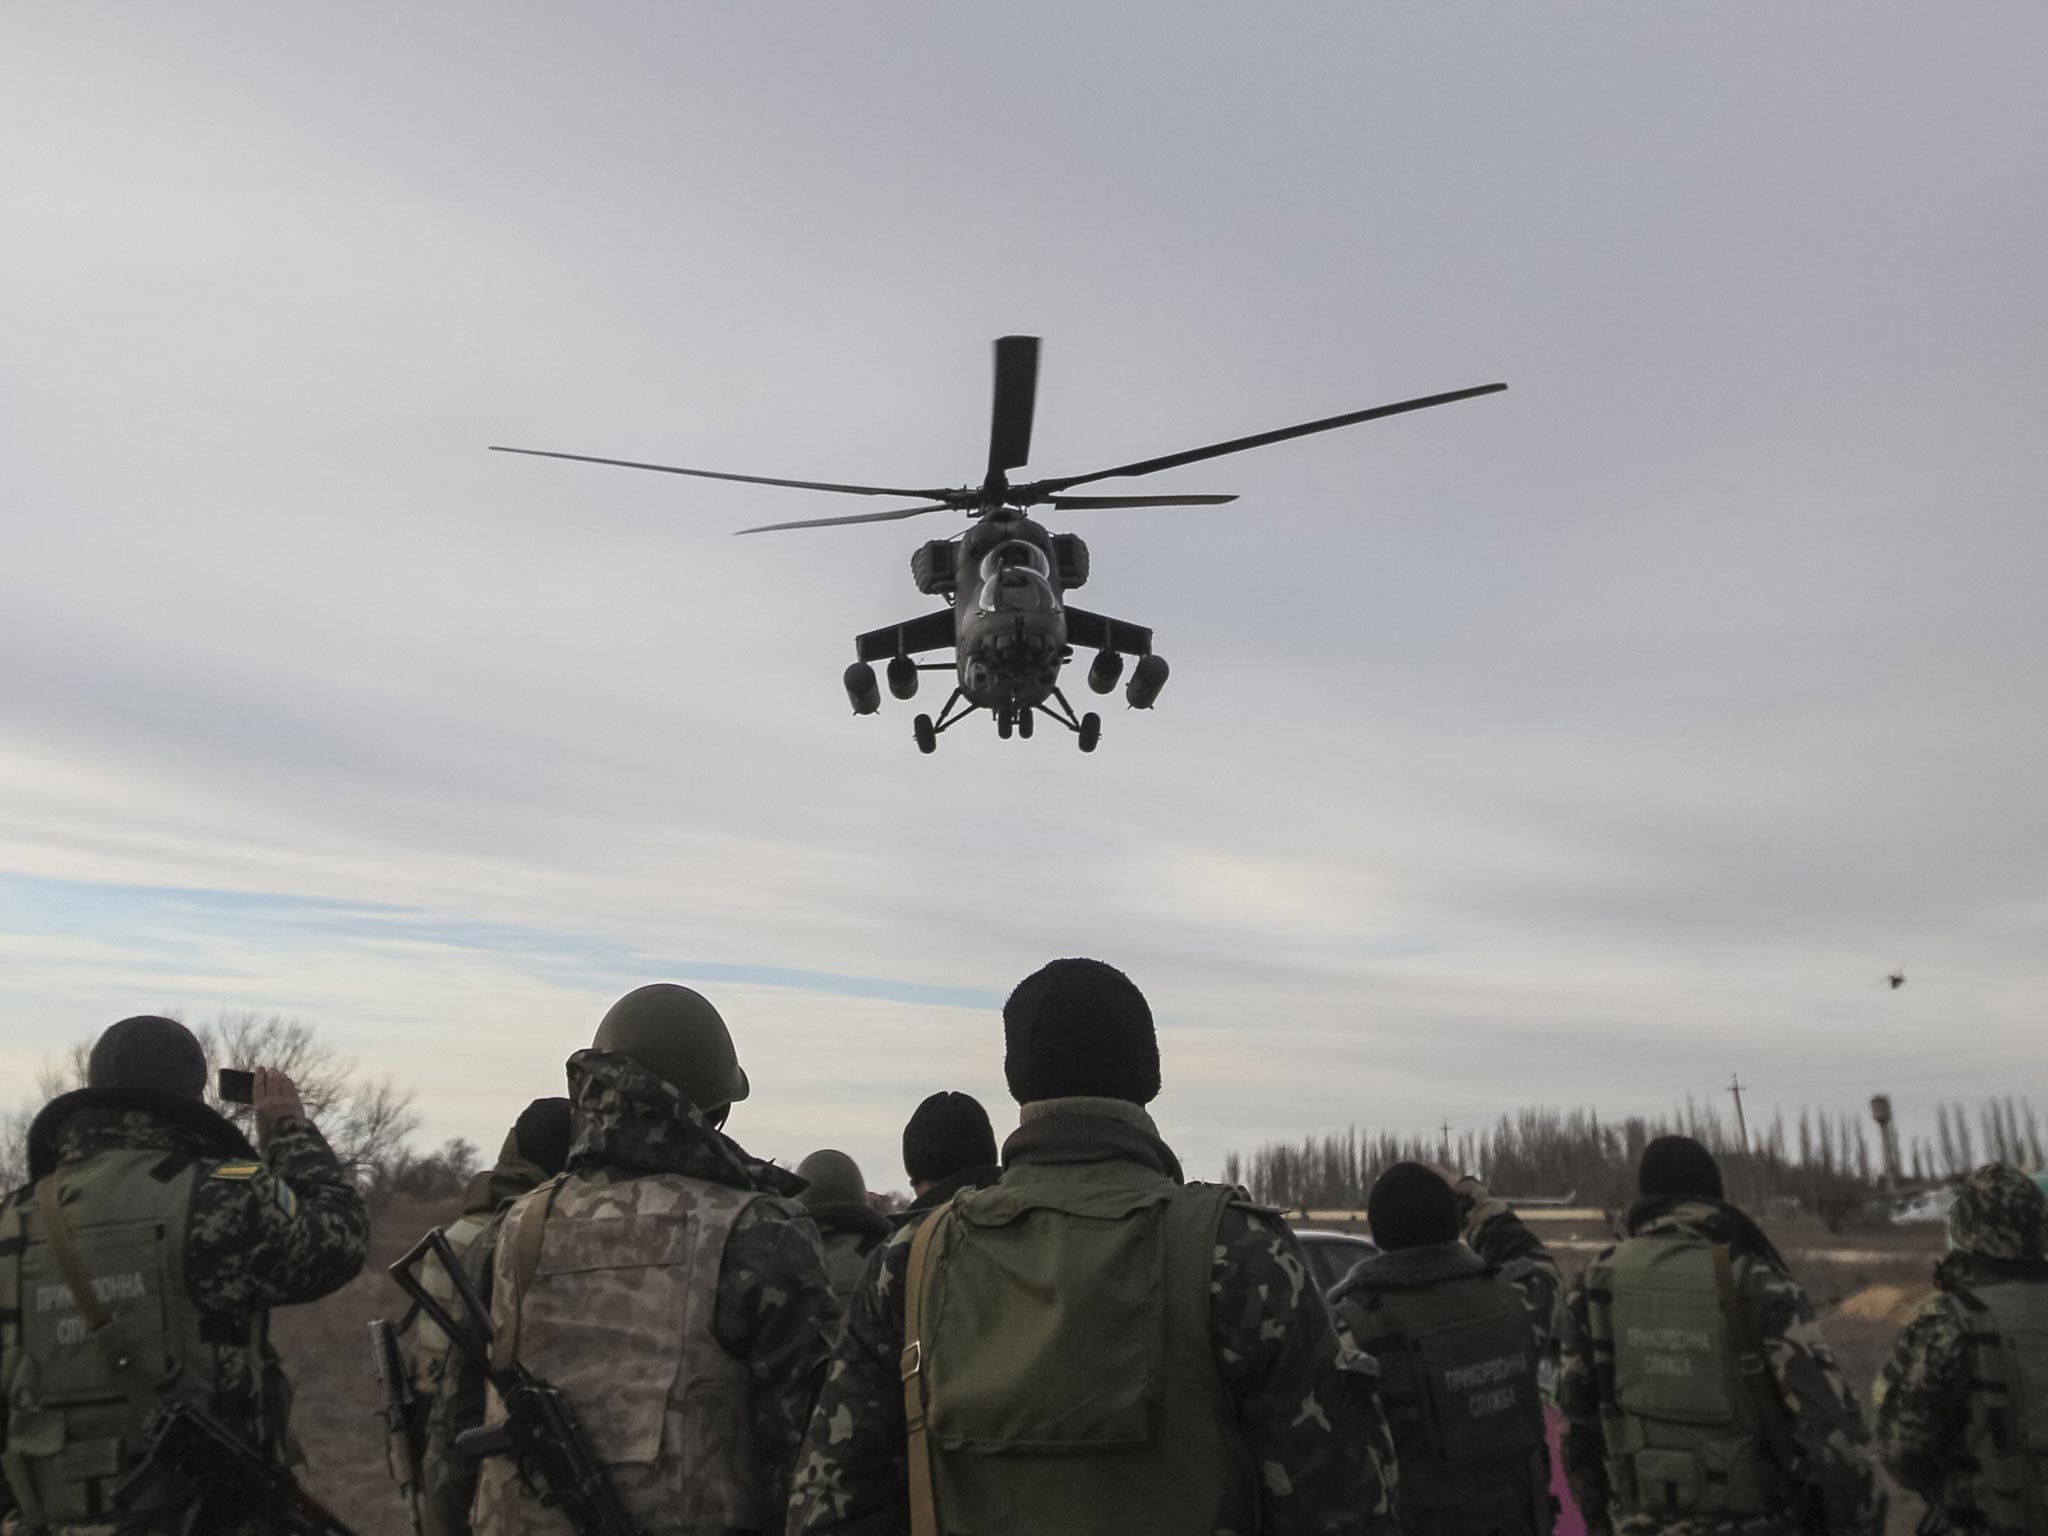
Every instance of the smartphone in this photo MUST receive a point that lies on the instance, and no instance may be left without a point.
(237, 1086)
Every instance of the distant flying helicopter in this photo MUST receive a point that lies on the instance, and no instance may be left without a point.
(1005, 578)
(1897, 979)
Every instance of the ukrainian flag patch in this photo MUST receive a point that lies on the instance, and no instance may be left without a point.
(286, 1200)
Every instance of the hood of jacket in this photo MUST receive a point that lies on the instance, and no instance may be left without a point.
(512, 1177)
(1401, 1269)
(1711, 1221)
(981, 1176)
(1088, 1130)
(92, 1120)
(1999, 1214)
(626, 1120)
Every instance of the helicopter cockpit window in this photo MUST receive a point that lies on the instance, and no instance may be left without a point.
(1015, 552)
(1018, 589)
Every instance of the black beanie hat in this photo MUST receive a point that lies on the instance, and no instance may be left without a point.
(1679, 1166)
(1409, 1207)
(152, 1054)
(1079, 1028)
(542, 1134)
(948, 1132)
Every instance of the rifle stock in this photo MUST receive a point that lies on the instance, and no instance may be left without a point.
(401, 1450)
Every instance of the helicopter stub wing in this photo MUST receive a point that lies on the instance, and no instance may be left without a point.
(927, 632)
(1097, 633)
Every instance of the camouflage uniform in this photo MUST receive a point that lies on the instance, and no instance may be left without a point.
(453, 1400)
(1923, 1394)
(285, 1229)
(1515, 1253)
(849, 1234)
(1835, 1464)
(773, 1314)
(1321, 1444)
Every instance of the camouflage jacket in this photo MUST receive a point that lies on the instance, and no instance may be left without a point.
(849, 1234)
(1922, 1395)
(292, 1232)
(448, 1481)
(1323, 1449)
(1516, 1254)
(774, 1307)
(1834, 1457)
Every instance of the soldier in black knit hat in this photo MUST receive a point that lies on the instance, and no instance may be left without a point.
(1456, 1308)
(1093, 1344)
(948, 1146)
(1698, 1392)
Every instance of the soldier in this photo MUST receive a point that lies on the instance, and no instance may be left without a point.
(948, 1146)
(1094, 1345)
(667, 1283)
(1459, 1333)
(448, 1388)
(1699, 1396)
(836, 1199)
(138, 1269)
(1962, 1406)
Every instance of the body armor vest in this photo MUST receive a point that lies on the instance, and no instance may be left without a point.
(607, 1291)
(1458, 1362)
(73, 1429)
(2006, 1424)
(1070, 1370)
(430, 1345)
(1685, 1437)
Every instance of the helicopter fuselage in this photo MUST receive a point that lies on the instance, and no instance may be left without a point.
(1009, 623)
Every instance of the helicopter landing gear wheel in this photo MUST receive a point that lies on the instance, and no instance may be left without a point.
(1091, 731)
(1024, 724)
(1003, 724)
(927, 736)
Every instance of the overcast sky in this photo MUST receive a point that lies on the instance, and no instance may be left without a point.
(1581, 744)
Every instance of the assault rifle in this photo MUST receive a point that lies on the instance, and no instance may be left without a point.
(234, 1482)
(540, 1431)
(401, 1451)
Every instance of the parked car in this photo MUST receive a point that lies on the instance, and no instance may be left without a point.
(1332, 1254)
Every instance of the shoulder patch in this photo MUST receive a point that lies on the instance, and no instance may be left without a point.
(286, 1200)
(237, 1170)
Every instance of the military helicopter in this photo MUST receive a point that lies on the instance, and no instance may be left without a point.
(1896, 979)
(1006, 577)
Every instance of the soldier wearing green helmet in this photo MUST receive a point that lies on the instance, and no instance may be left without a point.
(667, 1282)
(837, 1199)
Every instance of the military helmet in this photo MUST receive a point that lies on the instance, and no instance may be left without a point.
(678, 1036)
(835, 1180)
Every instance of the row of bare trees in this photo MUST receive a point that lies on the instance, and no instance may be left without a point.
(1831, 1166)
(369, 1121)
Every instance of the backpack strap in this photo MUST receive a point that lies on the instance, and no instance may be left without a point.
(924, 1509)
(1753, 1364)
(526, 1245)
(106, 1333)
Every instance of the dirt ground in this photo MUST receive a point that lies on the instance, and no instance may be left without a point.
(1865, 1285)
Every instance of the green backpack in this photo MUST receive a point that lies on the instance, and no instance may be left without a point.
(1690, 1418)
(1061, 1357)
(1458, 1362)
(2006, 1424)
(78, 1393)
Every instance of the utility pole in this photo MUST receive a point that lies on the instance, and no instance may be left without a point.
(1742, 1130)
(1446, 1128)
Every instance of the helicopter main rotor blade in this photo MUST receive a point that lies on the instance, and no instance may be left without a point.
(1084, 503)
(713, 474)
(1016, 396)
(855, 517)
(1038, 490)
